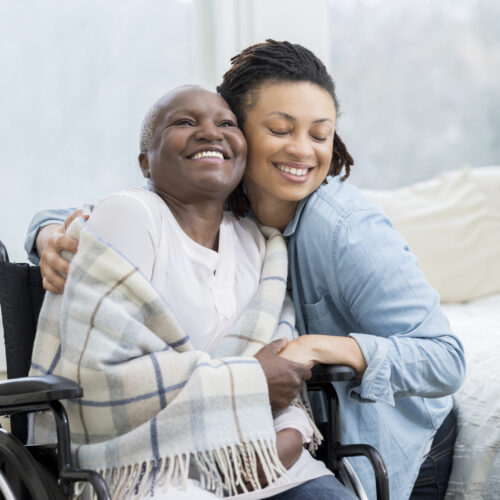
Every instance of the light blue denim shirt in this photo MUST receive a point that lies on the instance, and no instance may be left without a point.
(353, 274)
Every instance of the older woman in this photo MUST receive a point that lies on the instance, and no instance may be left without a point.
(353, 277)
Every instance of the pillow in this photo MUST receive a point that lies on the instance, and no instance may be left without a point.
(488, 181)
(453, 230)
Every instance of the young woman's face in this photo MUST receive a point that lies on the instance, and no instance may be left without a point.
(289, 128)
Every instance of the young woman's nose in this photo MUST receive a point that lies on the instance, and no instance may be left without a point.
(299, 146)
(208, 130)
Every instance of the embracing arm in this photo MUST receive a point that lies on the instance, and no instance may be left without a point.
(46, 237)
(41, 220)
(45, 241)
(51, 241)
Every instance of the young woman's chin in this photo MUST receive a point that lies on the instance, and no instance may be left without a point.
(283, 189)
(294, 193)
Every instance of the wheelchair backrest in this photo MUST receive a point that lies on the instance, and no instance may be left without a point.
(21, 297)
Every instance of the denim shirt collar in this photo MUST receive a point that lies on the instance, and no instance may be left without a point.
(292, 225)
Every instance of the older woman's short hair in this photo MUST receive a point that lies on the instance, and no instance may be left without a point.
(149, 125)
(150, 120)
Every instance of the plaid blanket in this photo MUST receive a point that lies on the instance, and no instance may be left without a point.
(156, 410)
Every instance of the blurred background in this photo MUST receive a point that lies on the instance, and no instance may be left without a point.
(419, 89)
(418, 83)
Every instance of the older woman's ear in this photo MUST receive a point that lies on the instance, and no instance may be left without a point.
(144, 164)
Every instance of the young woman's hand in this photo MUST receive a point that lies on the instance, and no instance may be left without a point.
(328, 349)
(301, 350)
(50, 242)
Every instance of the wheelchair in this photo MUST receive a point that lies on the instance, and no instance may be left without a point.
(42, 472)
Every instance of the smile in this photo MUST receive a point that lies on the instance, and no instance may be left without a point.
(299, 172)
(209, 154)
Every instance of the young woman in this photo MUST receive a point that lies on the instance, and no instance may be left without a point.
(352, 276)
(353, 279)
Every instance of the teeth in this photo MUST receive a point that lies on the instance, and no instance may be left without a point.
(208, 154)
(292, 170)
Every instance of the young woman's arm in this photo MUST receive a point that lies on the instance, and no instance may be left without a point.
(50, 241)
(359, 280)
(313, 349)
(40, 221)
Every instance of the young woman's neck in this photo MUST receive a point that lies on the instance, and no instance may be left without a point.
(200, 221)
(271, 211)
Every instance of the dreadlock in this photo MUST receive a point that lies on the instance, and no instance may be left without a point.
(274, 61)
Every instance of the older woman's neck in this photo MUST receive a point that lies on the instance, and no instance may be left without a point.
(200, 221)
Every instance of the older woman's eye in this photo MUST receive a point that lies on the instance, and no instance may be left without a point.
(319, 138)
(184, 122)
(227, 123)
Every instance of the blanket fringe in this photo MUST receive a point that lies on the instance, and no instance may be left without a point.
(225, 471)
(302, 402)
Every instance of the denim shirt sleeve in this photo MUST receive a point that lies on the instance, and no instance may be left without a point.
(404, 336)
(42, 219)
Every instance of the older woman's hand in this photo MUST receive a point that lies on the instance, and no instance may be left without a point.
(50, 242)
(284, 378)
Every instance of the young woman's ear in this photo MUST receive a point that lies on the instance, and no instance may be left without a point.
(144, 164)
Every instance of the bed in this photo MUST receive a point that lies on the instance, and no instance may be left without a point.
(476, 459)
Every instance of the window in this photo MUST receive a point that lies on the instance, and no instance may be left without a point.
(77, 77)
(419, 86)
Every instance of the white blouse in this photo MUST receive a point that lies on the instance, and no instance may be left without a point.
(220, 284)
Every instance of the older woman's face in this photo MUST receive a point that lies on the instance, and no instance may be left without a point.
(198, 152)
(289, 128)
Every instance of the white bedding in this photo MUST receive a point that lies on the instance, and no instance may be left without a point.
(476, 462)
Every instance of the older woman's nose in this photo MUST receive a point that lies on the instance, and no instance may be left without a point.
(208, 130)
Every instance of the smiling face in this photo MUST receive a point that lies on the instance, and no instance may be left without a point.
(289, 128)
(197, 152)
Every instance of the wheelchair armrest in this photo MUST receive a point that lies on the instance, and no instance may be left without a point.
(37, 390)
(332, 373)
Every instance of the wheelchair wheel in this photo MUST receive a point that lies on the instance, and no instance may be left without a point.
(350, 479)
(23, 477)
